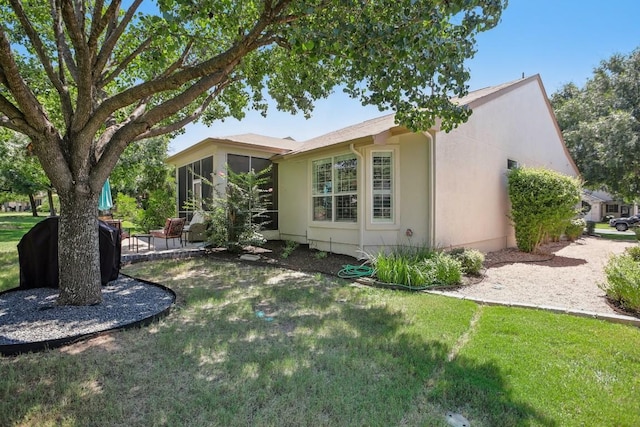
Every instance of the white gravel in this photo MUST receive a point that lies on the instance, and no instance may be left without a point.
(567, 278)
(31, 315)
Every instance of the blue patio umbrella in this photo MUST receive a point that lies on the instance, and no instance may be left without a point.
(105, 202)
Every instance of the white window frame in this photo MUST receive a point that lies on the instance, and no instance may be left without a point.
(390, 189)
(332, 190)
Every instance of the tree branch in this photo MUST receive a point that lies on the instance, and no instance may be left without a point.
(28, 104)
(63, 49)
(36, 41)
(124, 63)
(213, 70)
(195, 115)
(74, 25)
(114, 35)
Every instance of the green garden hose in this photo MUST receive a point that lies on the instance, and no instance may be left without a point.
(355, 271)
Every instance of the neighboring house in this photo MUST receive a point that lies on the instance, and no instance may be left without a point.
(604, 204)
(377, 185)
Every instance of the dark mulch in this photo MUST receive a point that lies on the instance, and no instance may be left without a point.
(302, 258)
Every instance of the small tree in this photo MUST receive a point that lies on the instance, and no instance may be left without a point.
(542, 202)
(239, 215)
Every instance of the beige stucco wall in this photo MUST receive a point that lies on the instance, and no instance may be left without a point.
(293, 207)
(471, 203)
(294, 203)
(410, 154)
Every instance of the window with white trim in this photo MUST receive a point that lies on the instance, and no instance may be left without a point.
(382, 186)
(335, 189)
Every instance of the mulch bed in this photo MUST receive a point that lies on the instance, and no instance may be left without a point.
(302, 258)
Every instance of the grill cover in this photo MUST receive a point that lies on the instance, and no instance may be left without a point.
(38, 254)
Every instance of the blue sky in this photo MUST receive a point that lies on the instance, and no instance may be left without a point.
(562, 40)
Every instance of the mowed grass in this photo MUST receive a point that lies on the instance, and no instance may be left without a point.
(254, 345)
(12, 227)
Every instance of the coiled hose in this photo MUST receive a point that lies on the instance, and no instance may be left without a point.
(355, 271)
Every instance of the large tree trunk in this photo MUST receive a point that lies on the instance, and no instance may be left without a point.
(78, 249)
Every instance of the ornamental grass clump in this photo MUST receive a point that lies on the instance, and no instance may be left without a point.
(417, 267)
(623, 279)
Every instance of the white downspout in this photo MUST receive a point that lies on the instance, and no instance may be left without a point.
(361, 203)
(431, 196)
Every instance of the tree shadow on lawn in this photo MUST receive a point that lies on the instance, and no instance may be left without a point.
(321, 353)
(307, 336)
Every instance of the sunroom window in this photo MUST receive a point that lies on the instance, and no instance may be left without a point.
(335, 189)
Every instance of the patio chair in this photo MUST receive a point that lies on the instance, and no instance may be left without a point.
(172, 230)
(195, 230)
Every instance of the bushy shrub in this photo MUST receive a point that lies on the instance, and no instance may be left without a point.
(542, 201)
(471, 260)
(634, 252)
(591, 227)
(44, 207)
(444, 269)
(126, 207)
(238, 216)
(159, 206)
(622, 274)
(637, 231)
(289, 247)
(575, 228)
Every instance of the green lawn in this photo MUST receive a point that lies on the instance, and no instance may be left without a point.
(12, 227)
(249, 345)
(255, 345)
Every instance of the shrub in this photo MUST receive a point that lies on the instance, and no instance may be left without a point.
(160, 205)
(239, 215)
(623, 279)
(44, 207)
(637, 231)
(446, 270)
(471, 260)
(289, 247)
(542, 201)
(591, 227)
(575, 228)
(634, 252)
(126, 207)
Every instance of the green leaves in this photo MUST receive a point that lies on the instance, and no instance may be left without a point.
(542, 204)
(601, 125)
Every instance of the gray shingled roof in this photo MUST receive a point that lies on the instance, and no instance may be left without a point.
(261, 141)
(381, 124)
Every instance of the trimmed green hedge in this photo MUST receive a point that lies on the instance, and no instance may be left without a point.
(543, 202)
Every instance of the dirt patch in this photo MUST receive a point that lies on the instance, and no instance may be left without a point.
(302, 258)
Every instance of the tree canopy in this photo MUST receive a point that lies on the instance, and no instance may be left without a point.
(82, 79)
(601, 125)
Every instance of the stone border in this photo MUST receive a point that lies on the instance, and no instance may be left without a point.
(614, 318)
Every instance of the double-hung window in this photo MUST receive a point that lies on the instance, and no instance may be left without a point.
(382, 186)
(335, 189)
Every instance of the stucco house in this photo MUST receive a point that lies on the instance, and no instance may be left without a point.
(377, 185)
